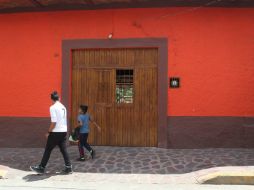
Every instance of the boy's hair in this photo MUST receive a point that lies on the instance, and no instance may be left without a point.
(84, 108)
(54, 96)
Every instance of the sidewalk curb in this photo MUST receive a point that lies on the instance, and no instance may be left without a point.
(228, 176)
(3, 171)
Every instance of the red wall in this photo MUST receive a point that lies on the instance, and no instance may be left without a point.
(210, 49)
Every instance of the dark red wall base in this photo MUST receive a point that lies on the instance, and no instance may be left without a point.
(183, 132)
(23, 132)
(210, 132)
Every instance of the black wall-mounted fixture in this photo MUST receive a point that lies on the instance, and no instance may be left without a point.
(174, 82)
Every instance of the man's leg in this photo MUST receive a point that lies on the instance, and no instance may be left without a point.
(51, 143)
(63, 149)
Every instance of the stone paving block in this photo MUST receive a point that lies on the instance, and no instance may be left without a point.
(133, 160)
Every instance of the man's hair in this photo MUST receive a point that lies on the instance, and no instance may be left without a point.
(84, 108)
(54, 96)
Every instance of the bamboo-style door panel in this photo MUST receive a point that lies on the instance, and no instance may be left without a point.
(120, 88)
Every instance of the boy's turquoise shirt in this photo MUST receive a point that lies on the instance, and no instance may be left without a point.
(84, 119)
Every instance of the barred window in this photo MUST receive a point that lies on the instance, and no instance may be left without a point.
(124, 86)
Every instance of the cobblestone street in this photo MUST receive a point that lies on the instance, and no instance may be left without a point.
(132, 160)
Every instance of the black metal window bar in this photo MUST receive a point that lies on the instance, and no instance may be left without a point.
(124, 86)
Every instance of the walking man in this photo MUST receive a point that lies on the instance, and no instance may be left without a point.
(56, 136)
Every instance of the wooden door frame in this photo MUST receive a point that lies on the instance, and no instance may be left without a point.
(160, 43)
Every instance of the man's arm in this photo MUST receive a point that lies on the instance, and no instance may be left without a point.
(52, 126)
(53, 121)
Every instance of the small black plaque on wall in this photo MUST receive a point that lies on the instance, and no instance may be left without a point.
(174, 82)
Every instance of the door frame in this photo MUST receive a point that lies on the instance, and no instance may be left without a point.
(160, 43)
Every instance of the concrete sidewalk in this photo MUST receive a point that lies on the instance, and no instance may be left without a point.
(226, 175)
(18, 179)
(119, 165)
(3, 171)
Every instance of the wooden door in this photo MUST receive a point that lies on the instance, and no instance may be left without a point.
(120, 88)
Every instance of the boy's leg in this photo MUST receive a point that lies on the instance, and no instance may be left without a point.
(86, 145)
(76, 131)
(80, 146)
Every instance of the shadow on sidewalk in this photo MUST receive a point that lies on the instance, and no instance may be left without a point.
(39, 177)
(36, 177)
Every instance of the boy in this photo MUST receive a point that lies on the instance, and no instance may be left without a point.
(84, 119)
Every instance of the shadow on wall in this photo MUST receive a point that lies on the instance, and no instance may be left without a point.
(23, 132)
(210, 132)
(183, 132)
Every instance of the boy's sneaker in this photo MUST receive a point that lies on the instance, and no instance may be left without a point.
(67, 170)
(92, 152)
(81, 159)
(38, 169)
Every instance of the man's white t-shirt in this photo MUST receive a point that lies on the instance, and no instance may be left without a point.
(58, 115)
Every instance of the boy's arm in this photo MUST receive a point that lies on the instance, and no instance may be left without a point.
(79, 122)
(93, 122)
